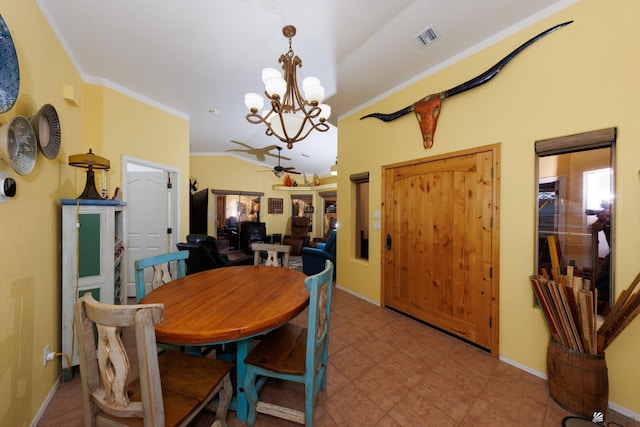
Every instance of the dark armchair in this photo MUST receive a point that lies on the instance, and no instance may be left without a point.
(252, 232)
(204, 254)
(299, 237)
(313, 259)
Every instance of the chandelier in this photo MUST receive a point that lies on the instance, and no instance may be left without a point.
(291, 117)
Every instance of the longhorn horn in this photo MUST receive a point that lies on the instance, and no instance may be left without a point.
(427, 109)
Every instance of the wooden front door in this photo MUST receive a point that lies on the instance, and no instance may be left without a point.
(440, 255)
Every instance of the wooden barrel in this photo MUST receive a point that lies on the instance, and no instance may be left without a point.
(578, 381)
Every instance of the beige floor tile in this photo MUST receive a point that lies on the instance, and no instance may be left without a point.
(351, 362)
(351, 407)
(381, 387)
(415, 410)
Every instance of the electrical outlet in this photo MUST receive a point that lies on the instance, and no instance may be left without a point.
(47, 350)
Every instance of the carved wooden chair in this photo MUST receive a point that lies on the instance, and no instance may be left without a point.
(274, 254)
(171, 389)
(294, 353)
(160, 265)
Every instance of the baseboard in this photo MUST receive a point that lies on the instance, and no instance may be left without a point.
(46, 402)
(619, 409)
(350, 292)
(524, 367)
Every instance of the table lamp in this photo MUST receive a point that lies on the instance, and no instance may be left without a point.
(89, 161)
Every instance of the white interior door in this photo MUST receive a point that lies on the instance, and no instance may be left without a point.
(151, 216)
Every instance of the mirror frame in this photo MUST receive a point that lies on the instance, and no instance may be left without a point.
(603, 138)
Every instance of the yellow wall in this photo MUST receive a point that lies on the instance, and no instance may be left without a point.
(105, 120)
(30, 223)
(126, 126)
(580, 78)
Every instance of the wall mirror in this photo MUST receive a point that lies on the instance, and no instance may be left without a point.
(575, 209)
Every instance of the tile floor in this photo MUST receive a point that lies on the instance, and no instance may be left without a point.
(388, 370)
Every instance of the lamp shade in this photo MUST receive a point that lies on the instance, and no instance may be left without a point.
(313, 91)
(276, 86)
(254, 101)
(269, 73)
(325, 111)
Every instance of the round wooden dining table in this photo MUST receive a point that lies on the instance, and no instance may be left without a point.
(230, 304)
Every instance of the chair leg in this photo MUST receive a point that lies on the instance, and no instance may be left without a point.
(251, 394)
(309, 399)
(224, 399)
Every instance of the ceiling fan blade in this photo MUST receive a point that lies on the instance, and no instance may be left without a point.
(259, 153)
(241, 143)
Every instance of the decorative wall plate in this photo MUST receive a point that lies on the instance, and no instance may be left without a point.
(9, 70)
(18, 145)
(46, 125)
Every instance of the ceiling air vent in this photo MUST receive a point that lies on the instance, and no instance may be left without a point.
(427, 36)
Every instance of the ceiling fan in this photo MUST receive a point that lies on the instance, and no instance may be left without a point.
(279, 170)
(260, 153)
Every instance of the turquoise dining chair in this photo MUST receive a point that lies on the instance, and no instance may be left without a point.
(161, 275)
(294, 353)
(160, 265)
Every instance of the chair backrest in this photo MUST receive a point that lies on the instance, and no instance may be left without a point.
(204, 253)
(250, 232)
(330, 246)
(162, 274)
(300, 226)
(232, 222)
(273, 254)
(319, 287)
(105, 371)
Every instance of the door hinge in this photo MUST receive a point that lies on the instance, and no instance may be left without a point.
(491, 322)
(490, 272)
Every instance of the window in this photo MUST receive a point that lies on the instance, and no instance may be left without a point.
(361, 192)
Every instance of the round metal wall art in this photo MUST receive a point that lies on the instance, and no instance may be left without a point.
(18, 145)
(46, 125)
(9, 70)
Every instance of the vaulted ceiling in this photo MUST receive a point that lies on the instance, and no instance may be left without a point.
(197, 58)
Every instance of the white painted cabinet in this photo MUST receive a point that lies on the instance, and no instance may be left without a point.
(93, 258)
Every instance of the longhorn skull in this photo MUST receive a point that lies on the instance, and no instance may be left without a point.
(427, 109)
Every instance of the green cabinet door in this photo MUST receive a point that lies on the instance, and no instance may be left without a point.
(89, 245)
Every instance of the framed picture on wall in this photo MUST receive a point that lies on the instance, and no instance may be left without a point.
(276, 206)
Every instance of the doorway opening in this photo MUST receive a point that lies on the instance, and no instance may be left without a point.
(152, 214)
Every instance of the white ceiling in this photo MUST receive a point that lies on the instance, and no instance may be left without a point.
(193, 56)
